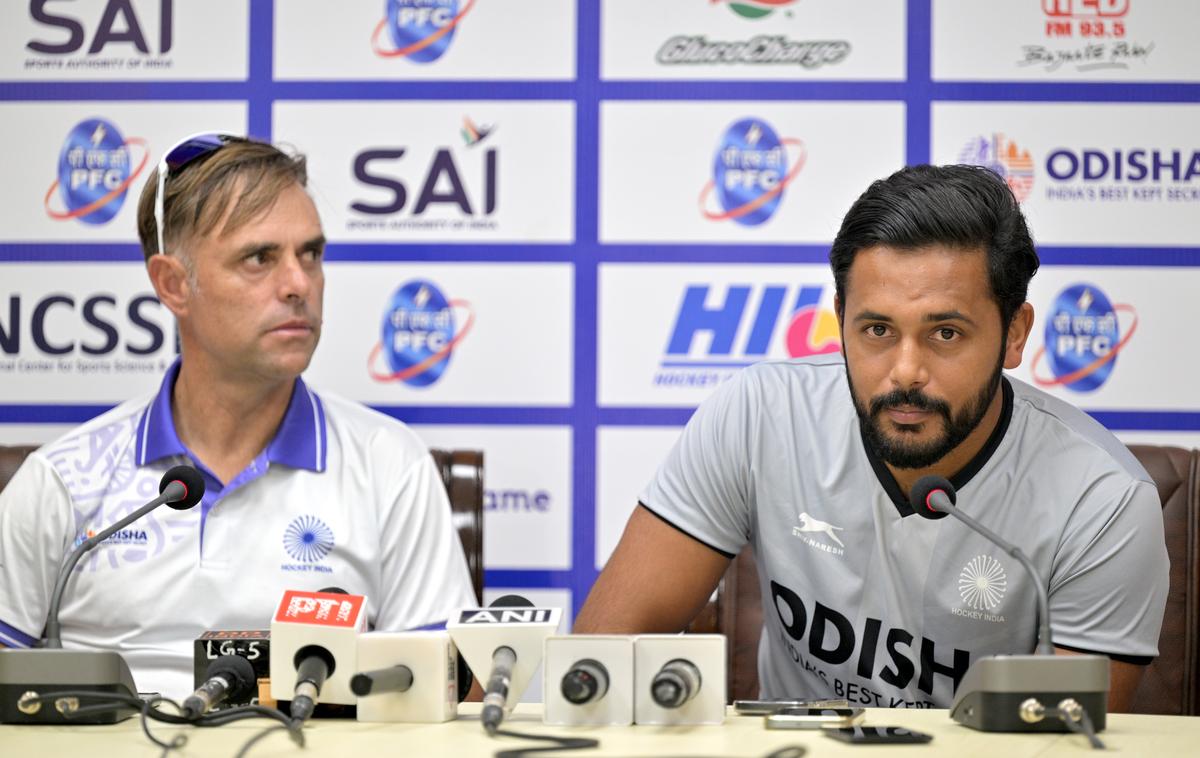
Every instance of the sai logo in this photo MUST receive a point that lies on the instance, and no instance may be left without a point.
(756, 8)
(420, 30)
(308, 539)
(750, 172)
(1003, 157)
(419, 334)
(1083, 337)
(95, 169)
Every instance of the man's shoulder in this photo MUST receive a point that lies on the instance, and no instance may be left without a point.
(817, 381)
(113, 430)
(1062, 433)
(358, 427)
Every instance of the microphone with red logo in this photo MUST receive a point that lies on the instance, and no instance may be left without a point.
(1021, 693)
(314, 641)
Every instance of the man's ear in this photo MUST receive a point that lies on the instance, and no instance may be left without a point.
(170, 280)
(1018, 332)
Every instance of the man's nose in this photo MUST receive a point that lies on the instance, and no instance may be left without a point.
(909, 370)
(295, 279)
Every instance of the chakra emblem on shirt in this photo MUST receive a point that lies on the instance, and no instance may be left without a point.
(982, 583)
(308, 539)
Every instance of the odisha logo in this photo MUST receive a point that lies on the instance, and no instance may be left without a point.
(982, 583)
(95, 169)
(1083, 338)
(756, 8)
(419, 335)
(1003, 157)
(308, 539)
(420, 30)
(750, 172)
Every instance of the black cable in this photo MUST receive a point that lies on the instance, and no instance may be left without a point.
(177, 742)
(1082, 726)
(560, 743)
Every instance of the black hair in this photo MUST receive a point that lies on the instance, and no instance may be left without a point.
(967, 207)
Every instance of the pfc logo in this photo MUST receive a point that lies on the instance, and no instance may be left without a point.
(751, 169)
(419, 333)
(1083, 338)
(96, 166)
(419, 30)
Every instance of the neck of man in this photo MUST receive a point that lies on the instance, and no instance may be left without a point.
(958, 458)
(227, 421)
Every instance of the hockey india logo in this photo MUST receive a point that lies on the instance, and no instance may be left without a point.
(308, 539)
(982, 583)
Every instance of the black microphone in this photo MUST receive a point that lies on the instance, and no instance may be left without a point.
(675, 684)
(180, 488)
(585, 682)
(398, 678)
(230, 676)
(933, 497)
(313, 664)
(495, 695)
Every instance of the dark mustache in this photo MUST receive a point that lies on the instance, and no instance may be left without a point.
(913, 397)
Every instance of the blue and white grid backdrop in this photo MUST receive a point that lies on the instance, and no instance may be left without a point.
(555, 225)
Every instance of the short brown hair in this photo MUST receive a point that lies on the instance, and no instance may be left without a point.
(198, 194)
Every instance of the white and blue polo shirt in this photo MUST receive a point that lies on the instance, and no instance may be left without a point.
(342, 496)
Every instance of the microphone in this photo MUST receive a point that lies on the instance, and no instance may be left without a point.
(230, 676)
(506, 638)
(585, 682)
(1005, 693)
(28, 674)
(314, 641)
(408, 677)
(676, 682)
(180, 488)
(933, 497)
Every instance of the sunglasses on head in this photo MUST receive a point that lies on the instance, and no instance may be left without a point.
(175, 159)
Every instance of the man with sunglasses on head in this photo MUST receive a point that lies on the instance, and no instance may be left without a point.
(303, 490)
(810, 461)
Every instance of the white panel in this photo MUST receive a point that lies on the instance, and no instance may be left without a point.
(527, 504)
(659, 344)
(446, 171)
(627, 458)
(513, 39)
(1065, 40)
(752, 39)
(89, 318)
(1152, 354)
(506, 338)
(1086, 174)
(663, 167)
(80, 40)
(41, 208)
(31, 434)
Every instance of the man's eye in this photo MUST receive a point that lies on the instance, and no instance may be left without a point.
(877, 330)
(947, 334)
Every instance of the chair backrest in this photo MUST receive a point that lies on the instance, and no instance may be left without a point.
(462, 475)
(1170, 685)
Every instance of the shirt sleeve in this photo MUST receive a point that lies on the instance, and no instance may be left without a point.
(36, 527)
(704, 487)
(1111, 575)
(424, 574)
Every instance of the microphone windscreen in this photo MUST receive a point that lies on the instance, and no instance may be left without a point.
(238, 671)
(918, 496)
(511, 601)
(333, 591)
(193, 486)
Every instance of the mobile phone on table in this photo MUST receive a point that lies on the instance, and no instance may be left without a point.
(764, 707)
(877, 735)
(813, 718)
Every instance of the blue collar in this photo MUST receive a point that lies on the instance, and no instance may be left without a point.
(299, 441)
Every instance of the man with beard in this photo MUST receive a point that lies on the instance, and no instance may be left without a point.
(810, 462)
(303, 490)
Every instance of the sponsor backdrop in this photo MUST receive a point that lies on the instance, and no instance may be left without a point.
(556, 225)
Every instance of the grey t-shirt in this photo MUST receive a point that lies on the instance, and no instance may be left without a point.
(860, 600)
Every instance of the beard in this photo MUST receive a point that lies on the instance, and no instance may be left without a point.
(903, 453)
